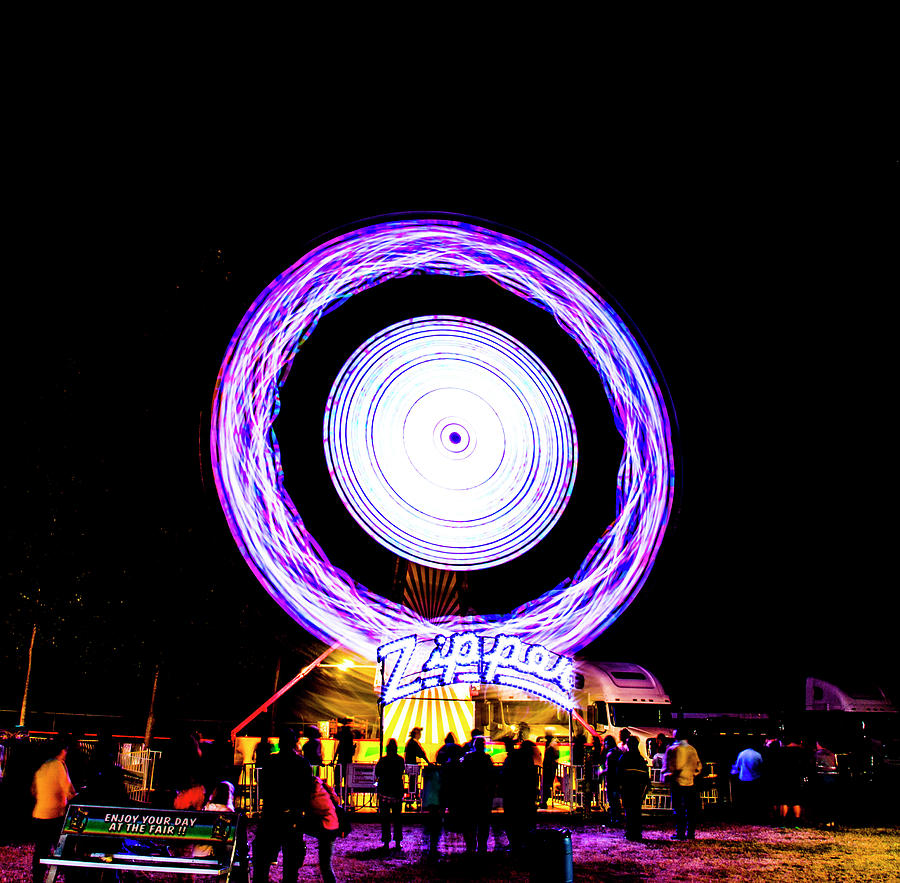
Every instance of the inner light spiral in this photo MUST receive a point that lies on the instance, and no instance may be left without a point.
(247, 464)
(450, 443)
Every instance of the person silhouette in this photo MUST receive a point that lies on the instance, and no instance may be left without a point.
(682, 766)
(52, 790)
(548, 769)
(285, 789)
(478, 783)
(634, 776)
(389, 772)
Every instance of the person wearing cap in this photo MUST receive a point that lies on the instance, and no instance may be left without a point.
(467, 747)
(414, 750)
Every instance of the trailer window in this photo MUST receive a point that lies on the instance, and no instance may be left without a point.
(871, 694)
(638, 714)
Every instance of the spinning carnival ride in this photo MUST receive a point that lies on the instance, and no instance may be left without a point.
(450, 443)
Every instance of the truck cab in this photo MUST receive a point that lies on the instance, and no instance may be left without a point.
(611, 697)
(623, 695)
(857, 722)
(858, 699)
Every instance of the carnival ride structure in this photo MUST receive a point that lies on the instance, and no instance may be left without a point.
(452, 445)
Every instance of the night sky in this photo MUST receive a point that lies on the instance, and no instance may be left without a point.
(752, 285)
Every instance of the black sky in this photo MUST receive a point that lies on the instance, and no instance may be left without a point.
(751, 283)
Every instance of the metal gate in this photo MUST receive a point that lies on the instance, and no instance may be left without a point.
(139, 765)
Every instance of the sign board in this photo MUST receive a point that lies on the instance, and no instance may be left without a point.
(469, 658)
(165, 824)
(362, 776)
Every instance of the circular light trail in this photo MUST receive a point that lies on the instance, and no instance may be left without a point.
(450, 443)
(247, 464)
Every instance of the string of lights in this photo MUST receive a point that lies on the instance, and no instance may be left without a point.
(246, 459)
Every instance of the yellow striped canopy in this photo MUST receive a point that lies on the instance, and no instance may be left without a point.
(437, 711)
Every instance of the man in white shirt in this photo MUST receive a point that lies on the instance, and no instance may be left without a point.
(682, 765)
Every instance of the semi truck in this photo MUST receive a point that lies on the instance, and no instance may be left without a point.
(609, 696)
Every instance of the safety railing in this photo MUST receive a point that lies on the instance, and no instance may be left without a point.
(574, 789)
(246, 792)
(247, 796)
(139, 765)
(358, 785)
(412, 798)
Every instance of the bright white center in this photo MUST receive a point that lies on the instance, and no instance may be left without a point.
(450, 443)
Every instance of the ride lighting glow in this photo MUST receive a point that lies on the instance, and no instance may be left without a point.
(468, 658)
(450, 443)
(247, 465)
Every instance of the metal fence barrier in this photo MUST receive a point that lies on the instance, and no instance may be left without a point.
(247, 796)
(357, 789)
(573, 789)
(139, 766)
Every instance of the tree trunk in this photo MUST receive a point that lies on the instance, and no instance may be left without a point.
(151, 718)
(27, 677)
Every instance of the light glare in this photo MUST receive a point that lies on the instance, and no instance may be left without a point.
(247, 464)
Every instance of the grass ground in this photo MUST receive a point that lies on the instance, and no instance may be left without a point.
(720, 852)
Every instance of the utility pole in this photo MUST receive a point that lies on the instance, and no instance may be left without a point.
(27, 677)
(151, 718)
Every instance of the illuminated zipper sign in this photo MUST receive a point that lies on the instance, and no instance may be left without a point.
(469, 658)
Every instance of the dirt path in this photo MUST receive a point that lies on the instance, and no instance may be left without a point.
(721, 852)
